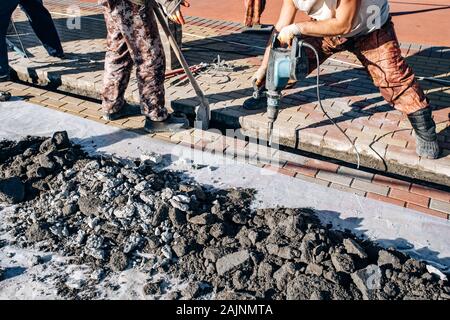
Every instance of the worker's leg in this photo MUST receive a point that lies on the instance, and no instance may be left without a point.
(138, 25)
(325, 47)
(381, 55)
(254, 10)
(118, 65)
(6, 10)
(42, 23)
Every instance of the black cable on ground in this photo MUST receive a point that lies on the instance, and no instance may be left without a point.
(323, 109)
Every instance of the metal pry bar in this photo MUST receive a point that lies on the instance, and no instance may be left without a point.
(202, 111)
(21, 51)
(12, 46)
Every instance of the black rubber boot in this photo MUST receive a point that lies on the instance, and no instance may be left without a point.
(175, 123)
(425, 129)
(60, 55)
(4, 96)
(114, 116)
(126, 111)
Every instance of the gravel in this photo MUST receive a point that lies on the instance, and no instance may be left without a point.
(117, 214)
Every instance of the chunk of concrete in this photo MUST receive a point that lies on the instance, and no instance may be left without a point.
(231, 261)
(368, 280)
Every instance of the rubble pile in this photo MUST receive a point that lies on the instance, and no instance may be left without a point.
(114, 215)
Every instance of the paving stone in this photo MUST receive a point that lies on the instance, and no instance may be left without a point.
(370, 187)
(439, 206)
(347, 189)
(134, 124)
(37, 99)
(91, 105)
(409, 197)
(427, 211)
(322, 165)
(354, 173)
(430, 192)
(55, 96)
(334, 177)
(72, 100)
(73, 108)
(378, 197)
(54, 103)
(92, 113)
(402, 156)
(291, 157)
(280, 170)
(304, 169)
(313, 180)
(391, 182)
(34, 91)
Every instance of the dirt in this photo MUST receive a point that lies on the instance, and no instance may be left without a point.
(119, 214)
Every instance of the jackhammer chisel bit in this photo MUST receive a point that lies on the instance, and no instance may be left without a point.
(285, 64)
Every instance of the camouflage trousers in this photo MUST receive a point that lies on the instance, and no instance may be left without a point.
(380, 54)
(133, 38)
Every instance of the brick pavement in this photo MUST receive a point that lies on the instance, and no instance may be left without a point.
(399, 191)
(415, 20)
(382, 135)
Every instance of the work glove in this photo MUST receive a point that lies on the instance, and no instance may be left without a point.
(288, 33)
(172, 9)
(259, 77)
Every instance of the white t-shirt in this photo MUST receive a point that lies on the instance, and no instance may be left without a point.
(372, 15)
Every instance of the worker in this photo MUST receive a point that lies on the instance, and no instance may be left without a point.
(41, 22)
(133, 37)
(363, 27)
(253, 11)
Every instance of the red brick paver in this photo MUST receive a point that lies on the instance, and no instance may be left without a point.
(410, 197)
(385, 199)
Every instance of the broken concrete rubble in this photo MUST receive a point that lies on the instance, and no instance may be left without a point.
(12, 190)
(352, 247)
(386, 258)
(231, 261)
(114, 215)
(368, 280)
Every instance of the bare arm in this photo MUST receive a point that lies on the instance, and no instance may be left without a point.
(287, 16)
(341, 24)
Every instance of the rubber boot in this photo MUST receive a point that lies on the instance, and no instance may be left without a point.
(124, 112)
(259, 28)
(4, 96)
(425, 129)
(114, 116)
(175, 123)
